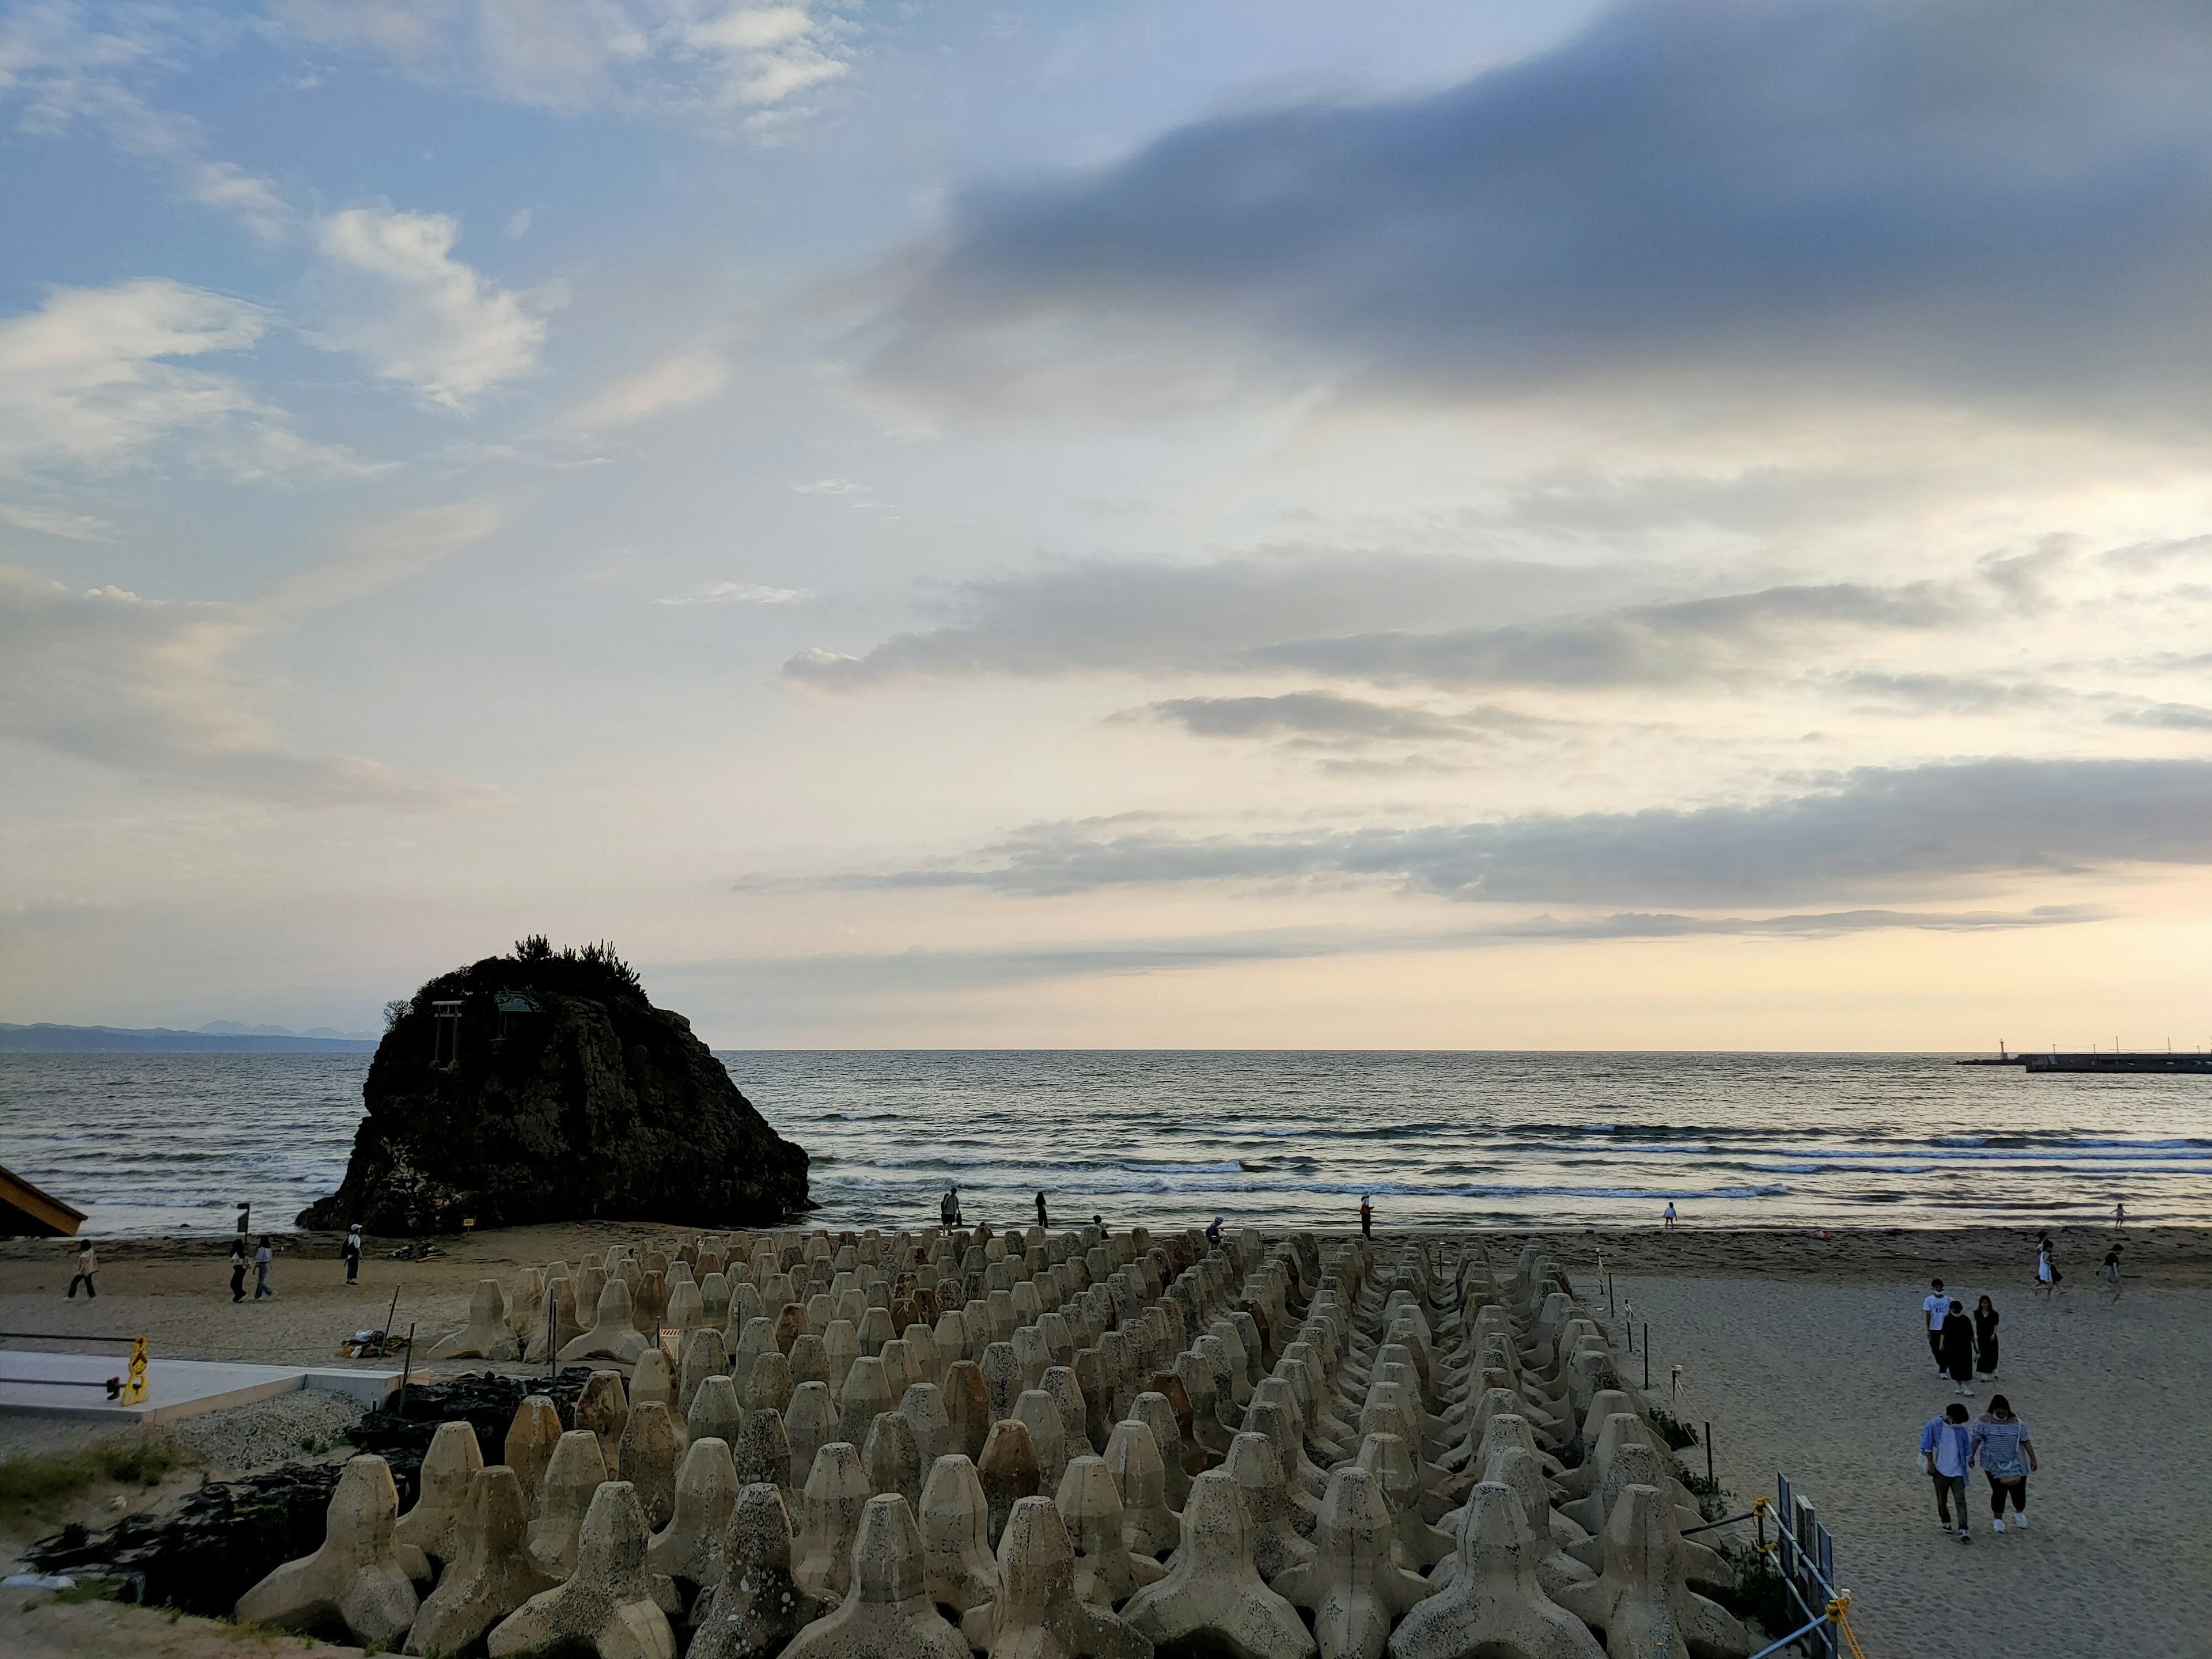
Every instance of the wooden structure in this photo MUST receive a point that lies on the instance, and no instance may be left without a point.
(26, 1211)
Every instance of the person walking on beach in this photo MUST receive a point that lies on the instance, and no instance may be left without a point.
(1366, 1218)
(1986, 1339)
(1958, 1334)
(1946, 1453)
(2000, 1445)
(1042, 1221)
(2047, 1276)
(2113, 1271)
(262, 1258)
(1670, 1212)
(2120, 1218)
(238, 1271)
(87, 1264)
(1934, 1307)
(350, 1250)
(1214, 1234)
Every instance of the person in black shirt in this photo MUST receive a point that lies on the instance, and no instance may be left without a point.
(1958, 1347)
(1986, 1339)
(1042, 1222)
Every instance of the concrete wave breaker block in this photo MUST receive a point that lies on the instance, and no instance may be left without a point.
(487, 1334)
(1089, 1503)
(614, 1336)
(689, 1549)
(889, 1614)
(493, 1574)
(1038, 1615)
(432, 1525)
(1213, 1595)
(576, 1470)
(606, 1609)
(355, 1579)
(1353, 1586)
(759, 1606)
(1641, 1601)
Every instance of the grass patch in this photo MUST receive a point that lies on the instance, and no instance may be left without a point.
(25, 1482)
(1759, 1595)
(93, 1589)
(1677, 1433)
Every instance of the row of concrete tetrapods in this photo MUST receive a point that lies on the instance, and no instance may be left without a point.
(1273, 1450)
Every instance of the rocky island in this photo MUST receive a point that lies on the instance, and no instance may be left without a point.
(544, 1086)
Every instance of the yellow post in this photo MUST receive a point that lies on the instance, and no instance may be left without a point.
(134, 1389)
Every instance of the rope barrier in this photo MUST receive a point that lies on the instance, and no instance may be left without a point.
(64, 1336)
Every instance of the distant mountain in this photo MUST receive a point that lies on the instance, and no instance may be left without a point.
(232, 1028)
(221, 1037)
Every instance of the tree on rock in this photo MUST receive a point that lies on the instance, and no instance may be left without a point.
(545, 1086)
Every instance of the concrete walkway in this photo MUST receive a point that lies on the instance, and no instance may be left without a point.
(1830, 1384)
(67, 1385)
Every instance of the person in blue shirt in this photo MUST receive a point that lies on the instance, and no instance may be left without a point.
(1946, 1453)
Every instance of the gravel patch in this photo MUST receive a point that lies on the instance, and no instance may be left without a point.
(271, 1431)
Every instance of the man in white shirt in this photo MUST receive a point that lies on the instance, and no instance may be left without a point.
(1932, 1311)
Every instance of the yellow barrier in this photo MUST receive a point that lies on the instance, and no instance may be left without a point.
(134, 1390)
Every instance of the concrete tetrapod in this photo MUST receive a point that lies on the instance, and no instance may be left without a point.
(762, 1452)
(923, 1407)
(492, 1575)
(531, 1438)
(612, 1336)
(1258, 1473)
(647, 1460)
(1641, 1601)
(574, 1473)
(889, 1614)
(1132, 1457)
(432, 1525)
(603, 1409)
(1039, 1413)
(652, 1382)
(1420, 1546)
(705, 1355)
(355, 1579)
(1636, 1465)
(757, 1607)
(716, 1412)
(830, 1519)
(1494, 1605)
(486, 1336)
(607, 1609)
(689, 1549)
(1106, 1573)
(1009, 1471)
(956, 1541)
(1352, 1586)
(1213, 1594)
(1038, 1615)
(891, 1458)
(810, 1423)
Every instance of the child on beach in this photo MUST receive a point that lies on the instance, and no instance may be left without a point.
(2000, 1445)
(1986, 1339)
(1946, 1453)
(1933, 1309)
(1669, 1220)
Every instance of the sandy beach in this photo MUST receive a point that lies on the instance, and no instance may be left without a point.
(1801, 1351)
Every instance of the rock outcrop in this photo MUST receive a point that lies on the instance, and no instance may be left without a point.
(548, 1088)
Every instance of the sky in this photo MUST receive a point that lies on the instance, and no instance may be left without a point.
(1178, 522)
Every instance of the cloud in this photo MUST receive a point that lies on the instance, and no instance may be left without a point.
(1877, 832)
(1233, 615)
(849, 973)
(1643, 645)
(153, 688)
(416, 314)
(76, 526)
(738, 593)
(692, 374)
(693, 58)
(88, 383)
(1325, 715)
(1081, 615)
(1993, 201)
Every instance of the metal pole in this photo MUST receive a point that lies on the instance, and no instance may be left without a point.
(552, 1338)
(408, 1370)
(1709, 1452)
(384, 1344)
(1647, 1356)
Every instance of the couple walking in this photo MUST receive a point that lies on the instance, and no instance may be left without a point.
(1997, 1443)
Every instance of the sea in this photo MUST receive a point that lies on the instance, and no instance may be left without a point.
(168, 1144)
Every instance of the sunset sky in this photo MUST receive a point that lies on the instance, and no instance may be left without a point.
(1179, 523)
